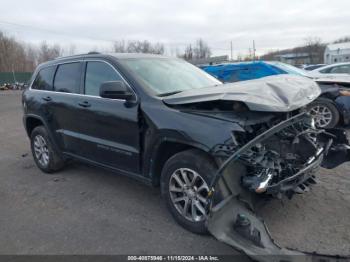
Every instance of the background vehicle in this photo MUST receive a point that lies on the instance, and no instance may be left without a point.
(329, 110)
(338, 68)
(312, 67)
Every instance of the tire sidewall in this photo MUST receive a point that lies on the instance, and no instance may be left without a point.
(42, 131)
(203, 167)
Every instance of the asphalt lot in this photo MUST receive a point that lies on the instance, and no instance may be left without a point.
(86, 210)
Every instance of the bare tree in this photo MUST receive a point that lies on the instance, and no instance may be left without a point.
(138, 47)
(342, 40)
(315, 49)
(47, 52)
(201, 49)
(119, 47)
(188, 55)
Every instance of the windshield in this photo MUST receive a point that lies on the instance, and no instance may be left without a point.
(289, 69)
(166, 76)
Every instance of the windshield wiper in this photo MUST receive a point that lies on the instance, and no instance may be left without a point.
(169, 93)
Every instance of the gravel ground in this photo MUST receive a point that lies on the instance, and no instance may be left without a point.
(86, 210)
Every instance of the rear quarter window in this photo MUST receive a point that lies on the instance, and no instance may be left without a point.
(44, 79)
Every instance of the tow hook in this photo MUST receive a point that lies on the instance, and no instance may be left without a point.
(243, 227)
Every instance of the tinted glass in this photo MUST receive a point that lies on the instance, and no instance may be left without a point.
(96, 74)
(344, 69)
(44, 79)
(326, 70)
(67, 78)
(166, 76)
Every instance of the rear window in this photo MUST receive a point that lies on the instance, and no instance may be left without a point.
(44, 79)
(67, 78)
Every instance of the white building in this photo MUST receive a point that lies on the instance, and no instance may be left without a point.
(336, 53)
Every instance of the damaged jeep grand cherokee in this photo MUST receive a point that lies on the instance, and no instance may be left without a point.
(213, 148)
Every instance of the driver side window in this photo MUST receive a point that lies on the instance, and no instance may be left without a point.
(96, 74)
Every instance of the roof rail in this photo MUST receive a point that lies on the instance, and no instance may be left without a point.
(93, 53)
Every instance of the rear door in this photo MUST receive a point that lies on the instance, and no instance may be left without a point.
(63, 118)
(108, 128)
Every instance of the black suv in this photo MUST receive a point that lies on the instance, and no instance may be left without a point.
(166, 122)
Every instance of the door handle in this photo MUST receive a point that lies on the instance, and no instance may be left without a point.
(47, 98)
(84, 104)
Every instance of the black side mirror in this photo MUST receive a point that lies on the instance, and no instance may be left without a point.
(115, 90)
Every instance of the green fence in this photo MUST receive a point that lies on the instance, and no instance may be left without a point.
(12, 77)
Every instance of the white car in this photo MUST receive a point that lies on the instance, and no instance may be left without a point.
(338, 68)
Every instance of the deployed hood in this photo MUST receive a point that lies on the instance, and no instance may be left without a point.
(282, 93)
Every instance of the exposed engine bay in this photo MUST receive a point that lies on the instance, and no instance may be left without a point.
(281, 163)
(284, 160)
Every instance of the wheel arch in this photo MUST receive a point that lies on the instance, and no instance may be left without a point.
(167, 148)
(33, 121)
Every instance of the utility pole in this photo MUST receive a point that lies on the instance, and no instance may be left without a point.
(14, 76)
(253, 50)
(231, 51)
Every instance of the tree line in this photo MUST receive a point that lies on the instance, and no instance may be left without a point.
(23, 57)
(200, 49)
(19, 56)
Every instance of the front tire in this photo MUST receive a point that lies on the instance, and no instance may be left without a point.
(44, 155)
(185, 181)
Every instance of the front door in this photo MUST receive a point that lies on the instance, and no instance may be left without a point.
(109, 131)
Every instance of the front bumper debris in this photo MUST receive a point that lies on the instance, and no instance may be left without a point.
(232, 219)
(235, 224)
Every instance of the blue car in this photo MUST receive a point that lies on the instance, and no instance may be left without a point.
(329, 110)
(250, 70)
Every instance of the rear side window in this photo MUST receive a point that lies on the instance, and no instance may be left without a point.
(344, 69)
(44, 79)
(96, 74)
(67, 78)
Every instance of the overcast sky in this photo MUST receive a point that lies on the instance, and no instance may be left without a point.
(89, 24)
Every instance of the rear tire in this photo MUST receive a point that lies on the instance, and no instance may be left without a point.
(325, 113)
(43, 153)
(177, 182)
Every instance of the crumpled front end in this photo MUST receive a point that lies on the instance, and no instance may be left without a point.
(275, 159)
(280, 159)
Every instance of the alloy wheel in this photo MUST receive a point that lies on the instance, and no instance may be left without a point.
(41, 150)
(322, 115)
(189, 192)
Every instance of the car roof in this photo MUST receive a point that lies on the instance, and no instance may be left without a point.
(117, 56)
